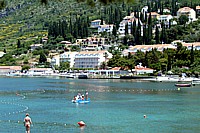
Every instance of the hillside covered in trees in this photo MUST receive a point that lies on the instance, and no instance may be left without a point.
(25, 22)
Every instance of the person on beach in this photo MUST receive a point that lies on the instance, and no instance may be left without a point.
(27, 123)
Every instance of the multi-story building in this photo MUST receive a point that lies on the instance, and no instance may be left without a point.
(146, 48)
(35, 46)
(165, 19)
(91, 43)
(55, 61)
(105, 28)
(195, 45)
(96, 23)
(68, 57)
(154, 15)
(83, 59)
(91, 59)
(160, 47)
(127, 20)
(198, 10)
(189, 12)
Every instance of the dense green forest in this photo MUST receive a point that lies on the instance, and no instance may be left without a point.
(23, 23)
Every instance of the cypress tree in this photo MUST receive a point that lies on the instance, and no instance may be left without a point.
(157, 37)
(134, 27)
(18, 44)
(131, 29)
(192, 55)
(114, 32)
(162, 33)
(138, 39)
(144, 35)
(126, 28)
(149, 29)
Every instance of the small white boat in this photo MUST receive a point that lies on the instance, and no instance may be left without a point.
(196, 81)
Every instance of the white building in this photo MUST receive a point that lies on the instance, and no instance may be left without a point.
(139, 69)
(189, 12)
(198, 10)
(196, 45)
(92, 47)
(9, 69)
(165, 18)
(127, 20)
(55, 61)
(144, 9)
(68, 57)
(105, 28)
(2, 53)
(34, 46)
(160, 47)
(91, 40)
(91, 43)
(96, 23)
(40, 71)
(146, 48)
(90, 59)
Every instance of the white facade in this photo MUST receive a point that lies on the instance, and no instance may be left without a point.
(96, 23)
(68, 57)
(165, 18)
(34, 46)
(55, 61)
(90, 59)
(127, 20)
(189, 12)
(144, 9)
(146, 48)
(2, 53)
(139, 69)
(105, 28)
(91, 40)
(40, 71)
(91, 47)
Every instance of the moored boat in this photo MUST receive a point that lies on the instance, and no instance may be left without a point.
(82, 76)
(196, 82)
(183, 85)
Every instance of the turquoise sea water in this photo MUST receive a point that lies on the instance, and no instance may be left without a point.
(117, 106)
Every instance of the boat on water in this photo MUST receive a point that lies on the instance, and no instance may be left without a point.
(80, 101)
(196, 82)
(183, 84)
(82, 76)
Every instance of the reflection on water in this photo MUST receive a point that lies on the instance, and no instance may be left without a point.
(116, 106)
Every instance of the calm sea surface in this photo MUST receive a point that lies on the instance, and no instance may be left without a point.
(117, 106)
